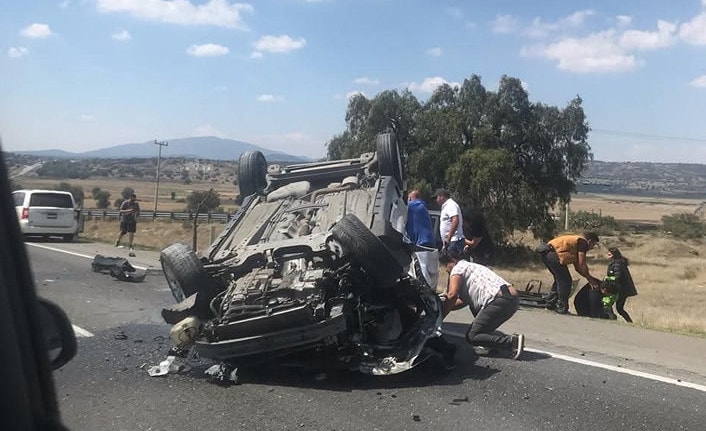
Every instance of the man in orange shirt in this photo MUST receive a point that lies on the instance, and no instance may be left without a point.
(557, 255)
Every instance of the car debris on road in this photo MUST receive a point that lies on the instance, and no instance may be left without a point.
(118, 267)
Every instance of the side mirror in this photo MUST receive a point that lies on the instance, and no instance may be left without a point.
(58, 333)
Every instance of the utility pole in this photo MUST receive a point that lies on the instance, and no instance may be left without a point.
(159, 161)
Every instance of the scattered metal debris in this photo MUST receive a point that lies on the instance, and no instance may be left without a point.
(223, 374)
(172, 364)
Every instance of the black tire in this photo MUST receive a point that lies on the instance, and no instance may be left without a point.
(252, 173)
(367, 249)
(68, 238)
(183, 270)
(389, 158)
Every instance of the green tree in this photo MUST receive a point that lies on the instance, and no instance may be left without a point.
(497, 151)
(209, 201)
(102, 198)
(127, 192)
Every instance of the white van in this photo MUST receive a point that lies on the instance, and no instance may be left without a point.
(46, 213)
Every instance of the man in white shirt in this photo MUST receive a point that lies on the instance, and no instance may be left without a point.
(491, 299)
(450, 222)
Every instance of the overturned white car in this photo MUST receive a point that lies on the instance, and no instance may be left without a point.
(313, 266)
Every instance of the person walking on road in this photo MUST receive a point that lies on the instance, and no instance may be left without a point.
(490, 298)
(450, 222)
(618, 271)
(129, 210)
(557, 254)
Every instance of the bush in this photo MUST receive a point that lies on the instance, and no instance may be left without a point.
(683, 225)
(602, 225)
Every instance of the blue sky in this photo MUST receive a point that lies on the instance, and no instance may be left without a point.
(85, 74)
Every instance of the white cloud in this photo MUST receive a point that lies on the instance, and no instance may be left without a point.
(36, 31)
(122, 36)
(699, 82)
(542, 29)
(598, 52)
(434, 52)
(350, 94)
(364, 80)
(694, 31)
(279, 44)
(623, 20)
(504, 24)
(430, 84)
(86, 117)
(219, 13)
(16, 52)
(267, 98)
(207, 50)
(663, 37)
(208, 130)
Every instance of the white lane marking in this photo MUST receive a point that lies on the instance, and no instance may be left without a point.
(72, 253)
(622, 370)
(80, 332)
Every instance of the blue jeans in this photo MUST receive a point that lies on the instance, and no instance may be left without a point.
(456, 246)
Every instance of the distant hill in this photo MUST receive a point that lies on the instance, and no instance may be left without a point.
(679, 180)
(204, 147)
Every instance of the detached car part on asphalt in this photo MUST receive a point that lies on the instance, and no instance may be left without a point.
(312, 266)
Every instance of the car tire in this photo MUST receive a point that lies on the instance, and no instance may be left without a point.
(252, 173)
(183, 270)
(389, 158)
(367, 249)
(68, 238)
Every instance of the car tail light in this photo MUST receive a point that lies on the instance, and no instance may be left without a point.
(25, 213)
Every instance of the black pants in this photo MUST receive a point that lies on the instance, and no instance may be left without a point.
(561, 287)
(482, 331)
(620, 307)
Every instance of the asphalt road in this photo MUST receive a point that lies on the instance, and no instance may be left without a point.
(107, 386)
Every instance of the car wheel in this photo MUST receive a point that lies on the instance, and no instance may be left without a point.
(389, 158)
(68, 238)
(363, 246)
(252, 173)
(183, 270)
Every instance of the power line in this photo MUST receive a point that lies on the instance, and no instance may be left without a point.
(647, 135)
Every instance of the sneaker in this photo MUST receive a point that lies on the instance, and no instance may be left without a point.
(518, 345)
(132, 248)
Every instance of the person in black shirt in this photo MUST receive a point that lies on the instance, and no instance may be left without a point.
(479, 246)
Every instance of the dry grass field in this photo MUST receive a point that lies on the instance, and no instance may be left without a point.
(670, 274)
(144, 189)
